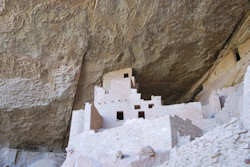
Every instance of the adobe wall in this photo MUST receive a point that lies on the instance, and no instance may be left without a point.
(120, 97)
(109, 104)
(84, 120)
(213, 106)
(87, 117)
(92, 119)
(115, 75)
(183, 128)
(96, 119)
(245, 114)
(233, 100)
(108, 111)
(77, 125)
(192, 111)
(133, 135)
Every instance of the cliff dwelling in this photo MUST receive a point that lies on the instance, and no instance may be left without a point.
(118, 101)
(124, 83)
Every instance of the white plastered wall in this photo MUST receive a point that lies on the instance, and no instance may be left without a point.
(245, 114)
(161, 134)
(114, 75)
(84, 120)
(133, 135)
(121, 97)
(77, 125)
(118, 95)
(87, 117)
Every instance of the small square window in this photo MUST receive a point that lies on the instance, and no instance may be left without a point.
(119, 115)
(150, 105)
(137, 107)
(141, 114)
(126, 75)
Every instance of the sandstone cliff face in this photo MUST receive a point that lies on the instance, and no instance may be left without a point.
(41, 50)
(53, 52)
(228, 70)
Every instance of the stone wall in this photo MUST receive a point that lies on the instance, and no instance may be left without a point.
(183, 127)
(115, 75)
(96, 119)
(85, 120)
(77, 123)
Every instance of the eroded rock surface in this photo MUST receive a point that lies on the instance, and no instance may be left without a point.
(41, 50)
(170, 44)
(46, 45)
(20, 158)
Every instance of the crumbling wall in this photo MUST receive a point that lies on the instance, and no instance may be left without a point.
(233, 100)
(183, 128)
(213, 106)
(92, 119)
(83, 120)
(96, 119)
(191, 111)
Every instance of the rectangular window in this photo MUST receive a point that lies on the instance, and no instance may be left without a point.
(137, 107)
(222, 101)
(141, 114)
(150, 105)
(119, 115)
(126, 75)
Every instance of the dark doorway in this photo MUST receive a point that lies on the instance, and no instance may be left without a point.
(126, 75)
(119, 115)
(222, 101)
(137, 107)
(150, 105)
(141, 114)
(237, 54)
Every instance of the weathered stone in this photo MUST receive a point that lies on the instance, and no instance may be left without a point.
(147, 152)
(228, 70)
(41, 50)
(170, 44)
(46, 45)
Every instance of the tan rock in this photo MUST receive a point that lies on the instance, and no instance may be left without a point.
(46, 45)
